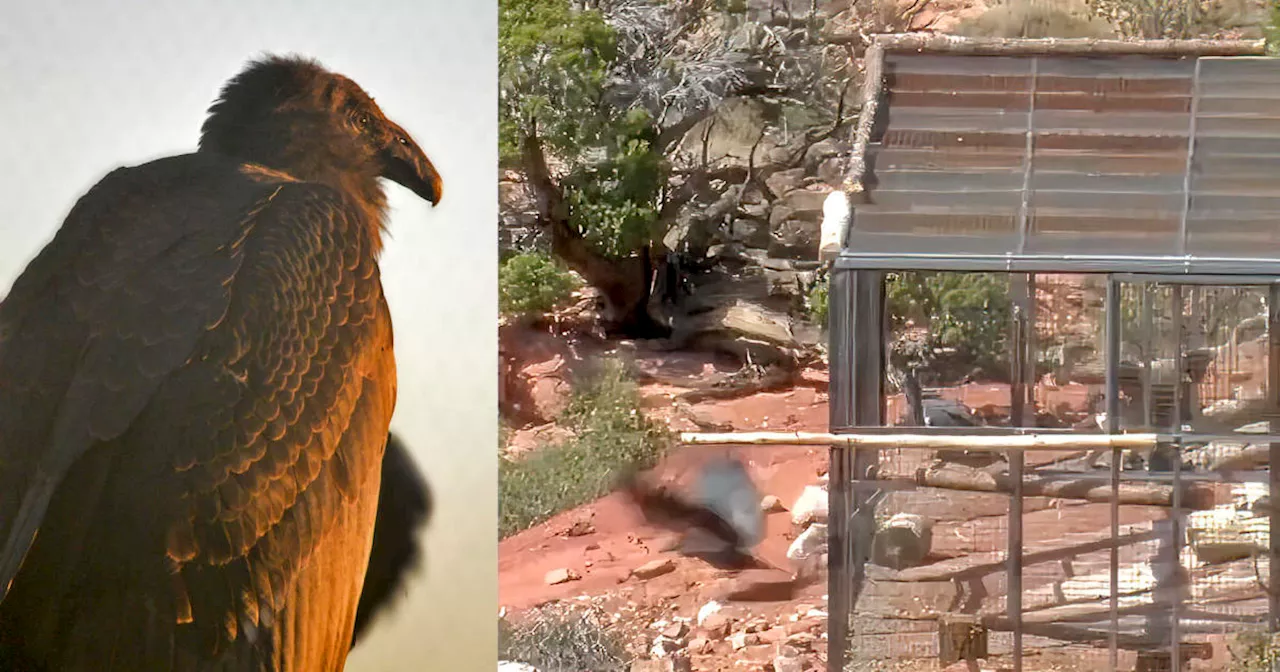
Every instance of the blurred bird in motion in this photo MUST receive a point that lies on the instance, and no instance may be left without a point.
(198, 382)
(720, 522)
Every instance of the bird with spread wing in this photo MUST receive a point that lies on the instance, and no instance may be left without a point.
(196, 383)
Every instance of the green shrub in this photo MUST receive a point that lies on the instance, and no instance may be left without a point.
(817, 301)
(969, 317)
(1035, 19)
(1254, 651)
(1176, 19)
(610, 435)
(531, 283)
(560, 640)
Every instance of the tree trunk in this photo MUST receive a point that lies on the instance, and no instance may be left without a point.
(624, 283)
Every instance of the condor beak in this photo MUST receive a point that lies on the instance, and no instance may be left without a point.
(404, 163)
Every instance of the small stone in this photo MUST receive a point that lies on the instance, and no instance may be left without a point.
(716, 627)
(802, 641)
(706, 610)
(675, 631)
(788, 664)
(663, 647)
(774, 635)
(562, 575)
(580, 528)
(593, 546)
(674, 663)
(741, 640)
(654, 568)
(771, 504)
(699, 645)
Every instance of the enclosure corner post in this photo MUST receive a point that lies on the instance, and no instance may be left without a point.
(1273, 477)
(839, 504)
(857, 392)
(1112, 349)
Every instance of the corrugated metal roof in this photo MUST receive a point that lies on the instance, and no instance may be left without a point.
(1060, 157)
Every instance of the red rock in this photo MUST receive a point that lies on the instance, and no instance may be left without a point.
(654, 568)
(562, 575)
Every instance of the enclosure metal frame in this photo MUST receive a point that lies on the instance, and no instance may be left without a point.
(858, 332)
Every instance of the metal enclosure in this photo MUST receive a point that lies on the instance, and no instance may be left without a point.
(1141, 176)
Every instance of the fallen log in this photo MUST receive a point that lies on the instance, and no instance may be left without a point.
(965, 568)
(959, 477)
(903, 541)
(1081, 635)
(1246, 458)
(1086, 612)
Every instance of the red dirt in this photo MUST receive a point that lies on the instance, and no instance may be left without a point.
(603, 541)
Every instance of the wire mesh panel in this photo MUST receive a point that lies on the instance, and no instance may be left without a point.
(1067, 559)
(1200, 361)
(935, 575)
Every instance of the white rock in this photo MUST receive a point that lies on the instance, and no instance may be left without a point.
(509, 666)
(812, 540)
(663, 647)
(810, 506)
(770, 504)
(835, 221)
(706, 610)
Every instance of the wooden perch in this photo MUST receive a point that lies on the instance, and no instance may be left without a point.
(959, 477)
(1082, 635)
(928, 441)
(999, 46)
(976, 566)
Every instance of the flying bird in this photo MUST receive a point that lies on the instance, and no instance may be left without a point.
(405, 505)
(720, 523)
(198, 380)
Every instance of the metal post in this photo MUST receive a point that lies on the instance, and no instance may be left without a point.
(1273, 395)
(857, 355)
(840, 506)
(1148, 325)
(1022, 294)
(1112, 354)
(868, 397)
(1175, 512)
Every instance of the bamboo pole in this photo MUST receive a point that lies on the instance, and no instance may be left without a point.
(998, 46)
(927, 441)
(871, 92)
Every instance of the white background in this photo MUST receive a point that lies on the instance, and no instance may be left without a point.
(88, 86)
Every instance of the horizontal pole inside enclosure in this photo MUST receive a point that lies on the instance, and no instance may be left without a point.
(927, 441)
(1046, 263)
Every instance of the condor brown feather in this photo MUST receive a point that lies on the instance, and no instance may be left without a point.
(199, 378)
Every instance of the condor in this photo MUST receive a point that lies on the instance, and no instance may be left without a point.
(196, 385)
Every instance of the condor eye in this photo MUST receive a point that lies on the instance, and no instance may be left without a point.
(362, 120)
